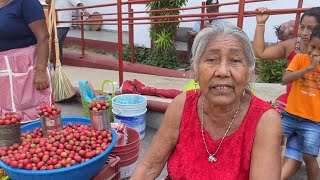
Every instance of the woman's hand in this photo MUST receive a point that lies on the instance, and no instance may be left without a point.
(41, 80)
(262, 17)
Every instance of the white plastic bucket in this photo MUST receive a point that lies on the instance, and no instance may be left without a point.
(131, 110)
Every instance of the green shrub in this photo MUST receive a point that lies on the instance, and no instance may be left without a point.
(141, 54)
(271, 71)
(160, 58)
(165, 59)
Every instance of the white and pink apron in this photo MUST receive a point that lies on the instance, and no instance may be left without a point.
(17, 90)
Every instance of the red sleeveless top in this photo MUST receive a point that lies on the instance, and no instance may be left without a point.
(189, 158)
(283, 98)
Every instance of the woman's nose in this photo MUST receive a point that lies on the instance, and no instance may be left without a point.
(223, 69)
(305, 31)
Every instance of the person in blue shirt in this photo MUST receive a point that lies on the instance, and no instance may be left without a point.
(197, 26)
(24, 51)
(23, 24)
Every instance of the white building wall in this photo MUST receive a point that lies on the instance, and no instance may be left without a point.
(141, 33)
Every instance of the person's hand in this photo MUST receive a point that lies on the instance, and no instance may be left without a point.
(192, 33)
(41, 80)
(315, 59)
(262, 16)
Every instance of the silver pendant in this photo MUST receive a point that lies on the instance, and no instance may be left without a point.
(211, 158)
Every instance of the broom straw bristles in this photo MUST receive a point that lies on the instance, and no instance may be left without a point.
(61, 86)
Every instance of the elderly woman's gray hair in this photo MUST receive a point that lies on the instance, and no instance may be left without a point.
(202, 40)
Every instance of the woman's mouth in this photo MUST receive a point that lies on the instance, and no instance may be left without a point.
(222, 88)
(305, 39)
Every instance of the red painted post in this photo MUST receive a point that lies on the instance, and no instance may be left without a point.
(297, 22)
(131, 33)
(203, 11)
(82, 36)
(241, 13)
(120, 47)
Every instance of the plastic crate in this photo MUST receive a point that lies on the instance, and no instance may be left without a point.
(111, 170)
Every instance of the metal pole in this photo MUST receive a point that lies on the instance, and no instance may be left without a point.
(297, 22)
(241, 13)
(82, 36)
(203, 11)
(131, 33)
(120, 47)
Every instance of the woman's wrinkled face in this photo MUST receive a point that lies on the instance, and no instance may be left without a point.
(223, 70)
(306, 26)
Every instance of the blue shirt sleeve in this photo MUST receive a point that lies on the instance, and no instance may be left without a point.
(32, 10)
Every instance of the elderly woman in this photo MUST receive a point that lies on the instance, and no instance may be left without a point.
(221, 131)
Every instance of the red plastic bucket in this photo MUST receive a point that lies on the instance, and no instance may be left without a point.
(128, 153)
(130, 148)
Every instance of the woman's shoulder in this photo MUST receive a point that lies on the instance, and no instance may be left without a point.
(179, 100)
(183, 102)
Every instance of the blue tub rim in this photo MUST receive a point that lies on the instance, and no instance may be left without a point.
(123, 95)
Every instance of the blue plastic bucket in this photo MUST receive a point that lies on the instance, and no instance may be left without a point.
(131, 110)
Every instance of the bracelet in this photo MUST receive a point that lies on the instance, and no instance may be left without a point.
(260, 24)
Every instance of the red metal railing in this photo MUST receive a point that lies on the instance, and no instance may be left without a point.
(131, 20)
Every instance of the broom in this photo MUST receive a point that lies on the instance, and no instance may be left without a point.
(61, 85)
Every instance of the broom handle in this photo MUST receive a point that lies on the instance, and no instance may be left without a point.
(53, 25)
(58, 63)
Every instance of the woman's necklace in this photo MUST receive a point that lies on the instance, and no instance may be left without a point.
(4, 4)
(212, 157)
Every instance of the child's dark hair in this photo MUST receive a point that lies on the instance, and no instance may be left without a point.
(314, 12)
(315, 32)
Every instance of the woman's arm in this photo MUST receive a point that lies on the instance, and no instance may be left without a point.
(162, 144)
(39, 29)
(266, 151)
(273, 52)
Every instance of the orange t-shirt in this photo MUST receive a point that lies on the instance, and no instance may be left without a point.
(304, 97)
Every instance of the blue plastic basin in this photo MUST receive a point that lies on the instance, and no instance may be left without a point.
(83, 171)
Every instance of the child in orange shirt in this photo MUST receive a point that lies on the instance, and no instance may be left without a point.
(301, 115)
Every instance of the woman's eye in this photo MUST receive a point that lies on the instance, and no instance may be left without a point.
(212, 59)
(235, 60)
